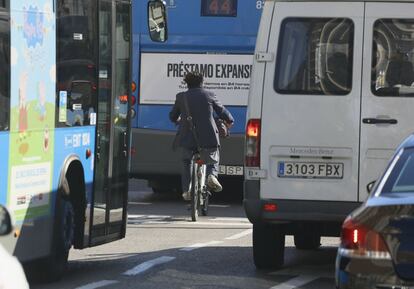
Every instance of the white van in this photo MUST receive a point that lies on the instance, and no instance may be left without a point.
(332, 95)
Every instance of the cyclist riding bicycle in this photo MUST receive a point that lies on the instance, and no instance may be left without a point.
(198, 105)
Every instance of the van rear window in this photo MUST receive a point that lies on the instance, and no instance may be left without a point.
(315, 56)
(393, 58)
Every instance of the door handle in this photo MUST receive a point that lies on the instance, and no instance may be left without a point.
(379, 121)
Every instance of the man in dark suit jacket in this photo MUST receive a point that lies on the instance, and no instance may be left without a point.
(201, 105)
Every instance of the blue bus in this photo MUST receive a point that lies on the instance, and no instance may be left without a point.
(215, 37)
(65, 85)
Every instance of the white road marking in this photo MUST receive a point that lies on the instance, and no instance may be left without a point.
(190, 224)
(219, 206)
(140, 203)
(240, 235)
(98, 284)
(148, 216)
(148, 265)
(211, 219)
(296, 282)
(183, 221)
(232, 219)
(200, 245)
(214, 224)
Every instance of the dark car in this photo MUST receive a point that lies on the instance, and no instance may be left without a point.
(11, 271)
(377, 240)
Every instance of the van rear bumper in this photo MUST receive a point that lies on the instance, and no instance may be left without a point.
(292, 210)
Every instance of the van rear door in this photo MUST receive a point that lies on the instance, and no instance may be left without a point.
(387, 115)
(311, 102)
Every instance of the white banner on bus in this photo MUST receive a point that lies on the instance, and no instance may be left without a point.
(30, 186)
(226, 75)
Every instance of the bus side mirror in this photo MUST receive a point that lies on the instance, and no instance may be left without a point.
(370, 186)
(157, 21)
(5, 221)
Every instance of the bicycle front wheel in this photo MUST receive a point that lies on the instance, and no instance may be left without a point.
(194, 192)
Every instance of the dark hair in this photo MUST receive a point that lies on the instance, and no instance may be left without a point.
(193, 79)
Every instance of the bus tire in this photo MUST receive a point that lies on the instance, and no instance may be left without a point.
(268, 246)
(164, 186)
(307, 240)
(63, 235)
(160, 190)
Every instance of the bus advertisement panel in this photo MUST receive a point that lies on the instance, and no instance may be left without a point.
(225, 75)
(32, 114)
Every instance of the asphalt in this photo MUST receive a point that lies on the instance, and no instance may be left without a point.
(164, 249)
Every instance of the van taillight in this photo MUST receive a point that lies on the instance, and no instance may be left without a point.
(253, 143)
(358, 241)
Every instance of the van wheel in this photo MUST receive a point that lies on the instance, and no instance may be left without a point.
(307, 240)
(268, 246)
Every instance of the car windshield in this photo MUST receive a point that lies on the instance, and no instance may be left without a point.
(401, 179)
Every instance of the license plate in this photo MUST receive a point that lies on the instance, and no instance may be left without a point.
(311, 170)
(231, 170)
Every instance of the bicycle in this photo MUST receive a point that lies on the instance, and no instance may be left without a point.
(199, 193)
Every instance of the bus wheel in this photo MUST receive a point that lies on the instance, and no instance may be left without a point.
(63, 237)
(161, 190)
(268, 246)
(307, 240)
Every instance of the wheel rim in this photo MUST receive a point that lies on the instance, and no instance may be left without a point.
(194, 193)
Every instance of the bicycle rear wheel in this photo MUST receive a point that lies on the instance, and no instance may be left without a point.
(194, 192)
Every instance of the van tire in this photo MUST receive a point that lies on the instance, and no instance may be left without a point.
(268, 246)
(307, 240)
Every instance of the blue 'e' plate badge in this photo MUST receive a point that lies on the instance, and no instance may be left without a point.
(281, 168)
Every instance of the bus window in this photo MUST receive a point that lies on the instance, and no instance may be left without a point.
(122, 64)
(219, 8)
(77, 38)
(315, 56)
(157, 22)
(393, 58)
(4, 69)
(80, 103)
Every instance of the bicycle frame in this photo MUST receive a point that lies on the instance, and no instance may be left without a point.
(199, 192)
